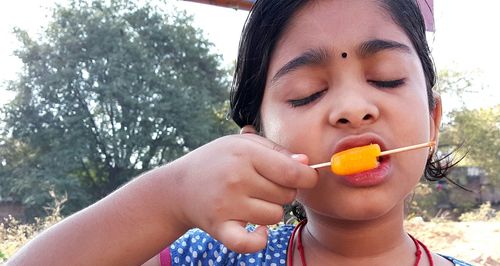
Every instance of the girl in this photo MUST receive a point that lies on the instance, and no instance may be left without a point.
(313, 78)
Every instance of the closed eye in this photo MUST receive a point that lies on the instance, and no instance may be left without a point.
(387, 83)
(307, 100)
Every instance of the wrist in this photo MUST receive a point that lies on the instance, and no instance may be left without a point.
(166, 191)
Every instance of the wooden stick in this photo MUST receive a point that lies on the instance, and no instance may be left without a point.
(314, 166)
(408, 148)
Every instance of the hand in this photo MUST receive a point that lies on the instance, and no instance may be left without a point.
(237, 180)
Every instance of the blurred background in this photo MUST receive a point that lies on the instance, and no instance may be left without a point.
(93, 93)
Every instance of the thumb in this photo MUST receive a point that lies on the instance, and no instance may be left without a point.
(236, 238)
(301, 158)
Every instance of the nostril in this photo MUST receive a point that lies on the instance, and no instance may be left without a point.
(343, 121)
(367, 117)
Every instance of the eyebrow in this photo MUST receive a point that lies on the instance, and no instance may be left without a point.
(319, 56)
(374, 46)
(312, 57)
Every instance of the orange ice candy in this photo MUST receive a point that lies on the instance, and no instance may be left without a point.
(363, 158)
(355, 160)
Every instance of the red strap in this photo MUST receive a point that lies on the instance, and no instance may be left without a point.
(300, 247)
(418, 252)
(289, 255)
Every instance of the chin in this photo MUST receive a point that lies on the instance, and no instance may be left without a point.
(360, 209)
(365, 213)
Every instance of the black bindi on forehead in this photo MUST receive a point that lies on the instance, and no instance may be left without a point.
(344, 55)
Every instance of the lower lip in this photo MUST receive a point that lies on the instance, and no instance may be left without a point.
(369, 178)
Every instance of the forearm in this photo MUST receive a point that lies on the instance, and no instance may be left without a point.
(236, 179)
(128, 227)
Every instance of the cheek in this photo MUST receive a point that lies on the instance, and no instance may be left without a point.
(272, 125)
(278, 128)
(413, 129)
(413, 124)
(421, 129)
(412, 164)
(280, 125)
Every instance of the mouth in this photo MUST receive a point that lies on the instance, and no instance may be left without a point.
(357, 141)
(370, 177)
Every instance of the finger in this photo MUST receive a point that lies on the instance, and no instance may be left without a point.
(248, 129)
(284, 170)
(261, 212)
(255, 138)
(264, 189)
(236, 238)
(278, 164)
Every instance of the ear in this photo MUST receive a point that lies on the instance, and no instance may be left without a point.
(248, 129)
(435, 118)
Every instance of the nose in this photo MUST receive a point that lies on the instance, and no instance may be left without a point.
(353, 109)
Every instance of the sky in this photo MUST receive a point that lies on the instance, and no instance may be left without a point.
(464, 41)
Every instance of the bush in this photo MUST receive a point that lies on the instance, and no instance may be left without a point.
(484, 213)
(14, 234)
(423, 202)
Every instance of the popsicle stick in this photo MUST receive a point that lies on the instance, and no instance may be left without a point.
(408, 148)
(314, 166)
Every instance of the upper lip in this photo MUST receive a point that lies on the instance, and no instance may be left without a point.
(352, 141)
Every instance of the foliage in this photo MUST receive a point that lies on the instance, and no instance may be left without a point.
(479, 130)
(14, 234)
(109, 90)
(437, 201)
(484, 213)
(422, 203)
(453, 82)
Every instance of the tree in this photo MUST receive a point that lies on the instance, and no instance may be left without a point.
(108, 91)
(470, 132)
(479, 130)
(453, 82)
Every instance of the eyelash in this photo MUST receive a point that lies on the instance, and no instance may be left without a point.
(307, 100)
(378, 83)
(387, 83)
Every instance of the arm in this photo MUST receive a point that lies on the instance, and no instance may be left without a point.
(236, 179)
(129, 226)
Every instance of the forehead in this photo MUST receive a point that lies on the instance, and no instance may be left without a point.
(336, 26)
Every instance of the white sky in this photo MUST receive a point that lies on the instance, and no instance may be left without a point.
(464, 41)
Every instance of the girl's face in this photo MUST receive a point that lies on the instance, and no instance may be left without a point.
(342, 75)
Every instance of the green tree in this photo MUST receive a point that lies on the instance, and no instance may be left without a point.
(473, 133)
(454, 82)
(107, 91)
(479, 130)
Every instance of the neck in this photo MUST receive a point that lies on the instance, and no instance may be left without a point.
(373, 241)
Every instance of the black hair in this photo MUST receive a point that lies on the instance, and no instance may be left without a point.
(267, 21)
(263, 28)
